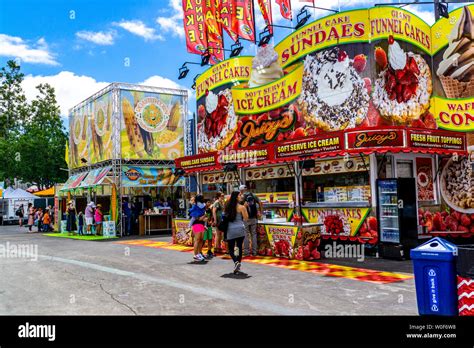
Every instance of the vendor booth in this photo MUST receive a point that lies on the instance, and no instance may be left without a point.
(331, 134)
(122, 146)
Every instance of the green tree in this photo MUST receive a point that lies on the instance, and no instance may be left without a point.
(42, 143)
(13, 104)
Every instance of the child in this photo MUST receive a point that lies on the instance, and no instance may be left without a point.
(197, 222)
(80, 218)
(46, 221)
(208, 231)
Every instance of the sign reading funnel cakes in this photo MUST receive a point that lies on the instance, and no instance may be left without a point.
(334, 95)
(217, 121)
(403, 88)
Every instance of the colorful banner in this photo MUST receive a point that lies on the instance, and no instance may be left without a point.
(194, 26)
(285, 9)
(134, 176)
(243, 20)
(250, 101)
(338, 221)
(190, 145)
(226, 13)
(390, 138)
(215, 42)
(90, 132)
(266, 10)
(282, 239)
(152, 126)
(319, 144)
(436, 140)
(454, 115)
(424, 178)
(95, 177)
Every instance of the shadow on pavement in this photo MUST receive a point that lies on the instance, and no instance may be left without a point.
(197, 263)
(240, 275)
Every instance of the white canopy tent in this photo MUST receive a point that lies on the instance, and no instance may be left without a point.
(18, 194)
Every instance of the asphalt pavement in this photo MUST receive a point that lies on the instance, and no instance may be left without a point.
(75, 277)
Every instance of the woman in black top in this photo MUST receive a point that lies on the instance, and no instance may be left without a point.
(71, 218)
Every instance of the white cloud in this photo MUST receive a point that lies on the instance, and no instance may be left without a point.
(70, 88)
(99, 37)
(173, 23)
(16, 47)
(139, 28)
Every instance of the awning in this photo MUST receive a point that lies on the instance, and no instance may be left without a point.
(45, 193)
(331, 144)
(74, 181)
(142, 176)
(95, 177)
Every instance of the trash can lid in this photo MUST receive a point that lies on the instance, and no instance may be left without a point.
(435, 249)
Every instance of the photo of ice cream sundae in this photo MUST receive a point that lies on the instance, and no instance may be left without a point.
(334, 96)
(217, 121)
(456, 70)
(403, 88)
(265, 67)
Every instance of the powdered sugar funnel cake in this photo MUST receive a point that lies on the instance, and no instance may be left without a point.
(334, 95)
(403, 88)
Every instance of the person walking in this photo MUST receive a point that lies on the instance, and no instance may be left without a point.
(31, 217)
(198, 220)
(80, 221)
(89, 215)
(208, 233)
(254, 209)
(19, 213)
(71, 225)
(99, 218)
(237, 215)
(217, 210)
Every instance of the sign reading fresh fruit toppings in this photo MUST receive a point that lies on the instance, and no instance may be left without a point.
(309, 146)
(436, 140)
(378, 138)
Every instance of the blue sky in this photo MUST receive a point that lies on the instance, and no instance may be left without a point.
(79, 46)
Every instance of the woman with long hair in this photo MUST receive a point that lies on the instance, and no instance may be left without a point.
(236, 214)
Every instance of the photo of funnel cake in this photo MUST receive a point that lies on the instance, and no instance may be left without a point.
(456, 70)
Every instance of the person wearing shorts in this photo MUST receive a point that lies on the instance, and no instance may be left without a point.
(208, 232)
(89, 215)
(198, 221)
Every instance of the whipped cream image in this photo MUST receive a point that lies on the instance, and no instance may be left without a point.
(211, 102)
(265, 67)
(396, 56)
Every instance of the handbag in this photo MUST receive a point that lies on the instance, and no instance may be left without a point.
(224, 225)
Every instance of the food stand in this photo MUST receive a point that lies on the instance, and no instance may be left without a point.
(122, 144)
(315, 124)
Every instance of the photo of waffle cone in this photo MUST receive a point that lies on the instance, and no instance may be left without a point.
(456, 69)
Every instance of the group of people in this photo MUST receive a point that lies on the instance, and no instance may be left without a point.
(38, 217)
(93, 217)
(234, 220)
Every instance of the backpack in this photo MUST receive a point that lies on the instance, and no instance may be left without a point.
(251, 206)
(18, 211)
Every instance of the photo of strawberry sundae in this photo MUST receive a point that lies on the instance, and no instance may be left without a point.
(403, 88)
(334, 96)
(217, 121)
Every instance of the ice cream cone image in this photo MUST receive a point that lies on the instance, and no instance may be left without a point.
(265, 67)
(456, 70)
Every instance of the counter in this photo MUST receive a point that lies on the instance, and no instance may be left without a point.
(149, 223)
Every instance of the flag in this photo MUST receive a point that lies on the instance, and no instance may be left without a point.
(213, 32)
(194, 26)
(225, 13)
(285, 8)
(266, 9)
(66, 154)
(243, 21)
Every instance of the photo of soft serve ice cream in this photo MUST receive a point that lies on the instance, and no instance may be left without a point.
(265, 67)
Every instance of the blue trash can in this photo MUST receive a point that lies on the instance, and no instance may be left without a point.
(434, 264)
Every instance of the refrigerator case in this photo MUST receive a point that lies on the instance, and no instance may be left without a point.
(397, 215)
